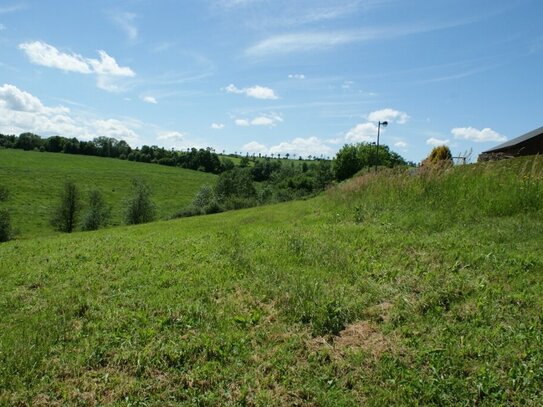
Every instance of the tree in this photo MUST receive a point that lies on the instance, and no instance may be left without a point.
(65, 214)
(97, 213)
(354, 157)
(237, 182)
(5, 226)
(439, 156)
(139, 207)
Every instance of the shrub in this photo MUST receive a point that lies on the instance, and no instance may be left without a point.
(439, 156)
(97, 213)
(139, 207)
(4, 193)
(6, 232)
(65, 214)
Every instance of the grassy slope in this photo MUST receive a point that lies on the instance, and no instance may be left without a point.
(442, 306)
(35, 181)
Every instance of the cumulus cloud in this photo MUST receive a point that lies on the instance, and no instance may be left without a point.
(255, 147)
(217, 126)
(21, 111)
(478, 136)
(171, 135)
(106, 68)
(301, 146)
(401, 144)
(257, 92)
(263, 120)
(364, 132)
(389, 115)
(432, 141)
(242, 122)
(296, 76)
(149, 99)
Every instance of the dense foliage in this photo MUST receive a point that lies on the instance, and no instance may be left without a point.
(354, 157)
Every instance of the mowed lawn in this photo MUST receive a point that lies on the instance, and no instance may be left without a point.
(35, 181)
(388, 290)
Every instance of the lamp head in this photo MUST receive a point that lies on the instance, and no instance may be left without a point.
(384, 124)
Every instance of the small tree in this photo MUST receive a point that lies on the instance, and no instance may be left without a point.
(439, 156)
(97, 213)
(65, 214)
(6, 232)
(139, 207)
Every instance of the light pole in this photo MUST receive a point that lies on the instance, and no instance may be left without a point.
(384, 124)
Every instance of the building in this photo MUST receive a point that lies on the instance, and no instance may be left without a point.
(528, 144)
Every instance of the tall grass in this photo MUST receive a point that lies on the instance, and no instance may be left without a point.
(439, 197)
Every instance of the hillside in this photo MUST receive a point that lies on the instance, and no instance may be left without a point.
(390, 289)
(35, 181)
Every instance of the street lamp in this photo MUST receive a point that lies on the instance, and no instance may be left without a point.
(384, 124)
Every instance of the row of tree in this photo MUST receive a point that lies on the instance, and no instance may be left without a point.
(196, 159)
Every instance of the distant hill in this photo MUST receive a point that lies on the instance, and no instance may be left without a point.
(35, 180)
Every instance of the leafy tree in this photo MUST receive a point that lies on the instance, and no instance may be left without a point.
(97, 213)
(353, 157)
(65, 214)
(237, 182)
(6, 232)
(139, 207)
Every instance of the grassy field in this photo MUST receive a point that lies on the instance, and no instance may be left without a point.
(390, 289)
(35, 181)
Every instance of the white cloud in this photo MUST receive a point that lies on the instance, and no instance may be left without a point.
(125, 21)
(44, 54)
(296, 76)
(255, 147)
(364, 132)
(432, 141)
(242, 122)
(401, 144)
(302, 146)
(13, 8)
(116, 129)
(217, 126)
(149, 99)
(171, 135)
(302, 42)
(478, 136)
(389, 115)
(21, 111)
(270, 120)
(257, 92)
(106, 68)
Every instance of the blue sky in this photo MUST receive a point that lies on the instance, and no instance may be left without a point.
(274, 76)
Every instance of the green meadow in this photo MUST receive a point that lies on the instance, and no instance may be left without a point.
(35, 181)
(393, 288)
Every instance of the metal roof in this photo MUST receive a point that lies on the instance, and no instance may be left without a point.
(517, 140)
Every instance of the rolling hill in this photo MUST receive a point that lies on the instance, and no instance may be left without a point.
(393, 288)
(35, 181)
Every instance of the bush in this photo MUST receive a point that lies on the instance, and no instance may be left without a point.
(140, 208)
(4, 193)
(65, 214)
(97, 213)
(439, 156)
(6, 232)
